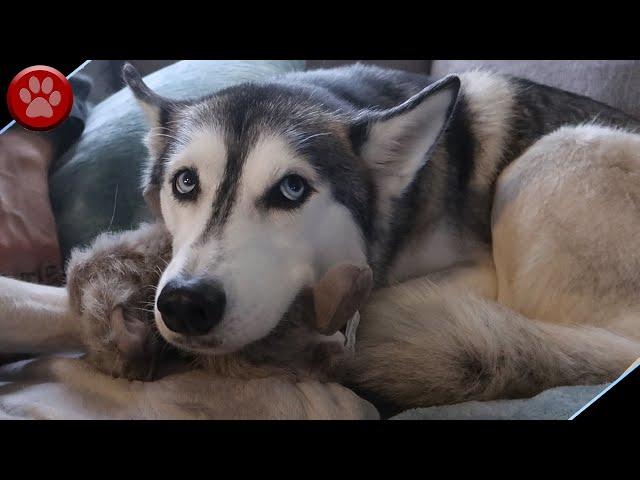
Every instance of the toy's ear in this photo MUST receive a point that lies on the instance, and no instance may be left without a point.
(337, 297)
(157, 110)
(397, 142)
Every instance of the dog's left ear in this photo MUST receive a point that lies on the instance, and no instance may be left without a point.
(396, 143)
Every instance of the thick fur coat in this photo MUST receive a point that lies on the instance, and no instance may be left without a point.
(495, 213)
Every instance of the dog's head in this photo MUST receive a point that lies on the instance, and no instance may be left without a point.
(263, 187)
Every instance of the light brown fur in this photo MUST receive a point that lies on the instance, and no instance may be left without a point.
(420, 344)
(117, 271)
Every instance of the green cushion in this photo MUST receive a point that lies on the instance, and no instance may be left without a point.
(97, 189)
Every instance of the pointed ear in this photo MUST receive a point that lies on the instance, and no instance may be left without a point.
(396, 143)
(149, 101)
(156, 110)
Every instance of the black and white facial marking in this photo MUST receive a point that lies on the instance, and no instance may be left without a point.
(264, 187)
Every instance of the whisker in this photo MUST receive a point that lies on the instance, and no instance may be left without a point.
(115, 203)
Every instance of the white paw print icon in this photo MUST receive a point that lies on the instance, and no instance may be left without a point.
(40, 98)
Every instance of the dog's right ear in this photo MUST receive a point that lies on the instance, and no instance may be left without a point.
(149, 101)
(157, 111)
(396, 143)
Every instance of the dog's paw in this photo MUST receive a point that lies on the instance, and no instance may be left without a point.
(117, 327)
(111, 288)
(130, 347)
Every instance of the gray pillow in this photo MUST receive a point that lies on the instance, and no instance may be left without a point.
(614, 82)
(97, 189)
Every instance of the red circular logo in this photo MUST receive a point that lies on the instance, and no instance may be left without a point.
(39, 97)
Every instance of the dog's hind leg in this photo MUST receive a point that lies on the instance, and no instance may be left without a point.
(35, 319)
(565, 224)
(564, 218)
(419, 344)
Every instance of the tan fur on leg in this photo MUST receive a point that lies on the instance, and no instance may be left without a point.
(35, 318)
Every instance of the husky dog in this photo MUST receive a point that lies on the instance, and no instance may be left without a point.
(497, 216)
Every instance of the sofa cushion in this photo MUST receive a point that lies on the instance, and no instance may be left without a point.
(97, 189)
(614, 82)
(414, 66)
(554, 404)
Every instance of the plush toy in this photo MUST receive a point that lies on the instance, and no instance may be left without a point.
(337, 297)
(111, 287)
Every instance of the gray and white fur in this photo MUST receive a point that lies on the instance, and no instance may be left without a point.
(496, 215)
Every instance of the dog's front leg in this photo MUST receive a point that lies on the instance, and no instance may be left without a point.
(36, 319)
(111, 287)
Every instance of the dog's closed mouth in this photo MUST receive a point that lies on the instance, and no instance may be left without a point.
(197, 344)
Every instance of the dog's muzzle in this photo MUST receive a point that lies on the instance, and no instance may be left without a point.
(192, 307)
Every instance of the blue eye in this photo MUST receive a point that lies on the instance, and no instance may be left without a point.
(293, 187)
(186, 182)
(289, 193)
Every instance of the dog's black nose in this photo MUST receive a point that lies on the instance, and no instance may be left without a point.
(191, 307)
